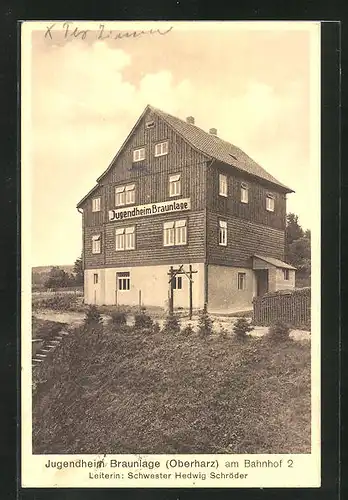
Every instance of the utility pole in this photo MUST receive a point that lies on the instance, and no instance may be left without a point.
(190, 289)
(171, 296)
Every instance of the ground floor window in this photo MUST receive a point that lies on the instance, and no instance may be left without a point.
(123, 281)
(286, 274)
(177, 283)
(241, 281)
(95, 278)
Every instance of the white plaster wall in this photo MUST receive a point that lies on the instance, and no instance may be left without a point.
(281, 283)
(223, 290)
(152, 281)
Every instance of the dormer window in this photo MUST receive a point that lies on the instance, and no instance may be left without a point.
(96, 204)
(222, 185)
(138, 154)
(270, 202)
(244, 194)
(174, 185)
(161, 148)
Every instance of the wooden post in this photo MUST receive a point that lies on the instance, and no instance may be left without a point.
(190, 290)
(139, 299)
(171, 297)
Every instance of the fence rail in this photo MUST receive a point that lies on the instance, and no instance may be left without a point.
(292, 307)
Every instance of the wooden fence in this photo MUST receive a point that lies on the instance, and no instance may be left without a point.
(291, 306)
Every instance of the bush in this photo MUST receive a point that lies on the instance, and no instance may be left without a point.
(156, 327)
(59, 302)
(242, 327)
(143, 320)
(172, 324)
(188, 330)
(118, 319)
(223, 332)
(279, 331)
(205, 323)
(93, 318)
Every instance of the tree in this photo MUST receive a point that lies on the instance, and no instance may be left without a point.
(78, 271)
(293, 231)
(298, 246)
(57, 278)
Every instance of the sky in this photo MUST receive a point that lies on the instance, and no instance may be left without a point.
(86, 95)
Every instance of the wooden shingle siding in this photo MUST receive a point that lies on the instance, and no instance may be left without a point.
(95, 218)
(255, 209)
(244, 238)
(91, 259)
(149, 249)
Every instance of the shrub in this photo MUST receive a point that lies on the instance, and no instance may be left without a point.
(59, 302)
(172, 324)
(242, 327)
(188, 330)
(118, 319)
(279, 331)
(93, 318)
(205, 323)
(223, 332)
(143, 320)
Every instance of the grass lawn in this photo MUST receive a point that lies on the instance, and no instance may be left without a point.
(131, 392)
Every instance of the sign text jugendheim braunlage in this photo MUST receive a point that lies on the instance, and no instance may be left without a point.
(150, 209)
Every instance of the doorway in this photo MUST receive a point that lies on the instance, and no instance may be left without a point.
(261, 282)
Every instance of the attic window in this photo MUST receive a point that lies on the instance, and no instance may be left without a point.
(149, 124)
(138, 154)
(270, 202)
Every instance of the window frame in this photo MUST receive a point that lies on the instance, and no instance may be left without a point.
(96, 204)
(244, 189)
(286, 274)
(123, 190)
(137, 150)
(177, 280)
(161, 153)
(222, 234)
(223, 181)
(96, 249)
(271, 207)
(123, 277)
(174, 180)
(172, 233)
(95, 278)
(241, 281)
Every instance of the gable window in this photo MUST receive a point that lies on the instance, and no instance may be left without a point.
(96, 243)
(241, 281)
(286, 274)
(138, 154)
(125, 238)
(177, 283)
(95, 278)
(174, 185)
(222, 185)
(123, 280)
(161, 148)
(244, 193)
(270, 202)
(149, 124)
(124, 195)
(96, 204)
(222, 233)
(175, 233)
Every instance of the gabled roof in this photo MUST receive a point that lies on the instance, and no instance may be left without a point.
(210, 145)
(275, 262)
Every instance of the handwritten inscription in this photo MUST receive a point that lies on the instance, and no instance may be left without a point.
(68, 31)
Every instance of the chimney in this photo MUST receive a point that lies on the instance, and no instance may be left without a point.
(190, 120)
(213, 131)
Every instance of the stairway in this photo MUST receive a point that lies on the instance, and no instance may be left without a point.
(48, 346)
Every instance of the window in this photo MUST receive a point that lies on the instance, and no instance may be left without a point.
(124, 195)
(222, 185)
(174, 185)
(241, 281)
(95, 279)
(96, 205)
(286, 274)
(244, 194)
(130, 194)
(139, 154)
(177, 283)
(123, 281)
(161, 149)
(222, 233)
(125, 238)
(96, 243)
(175, 233)
(270, 202)
(149, 124)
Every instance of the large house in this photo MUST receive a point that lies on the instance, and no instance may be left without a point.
(176, 195)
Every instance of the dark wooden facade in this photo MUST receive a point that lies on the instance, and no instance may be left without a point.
(251, 228)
